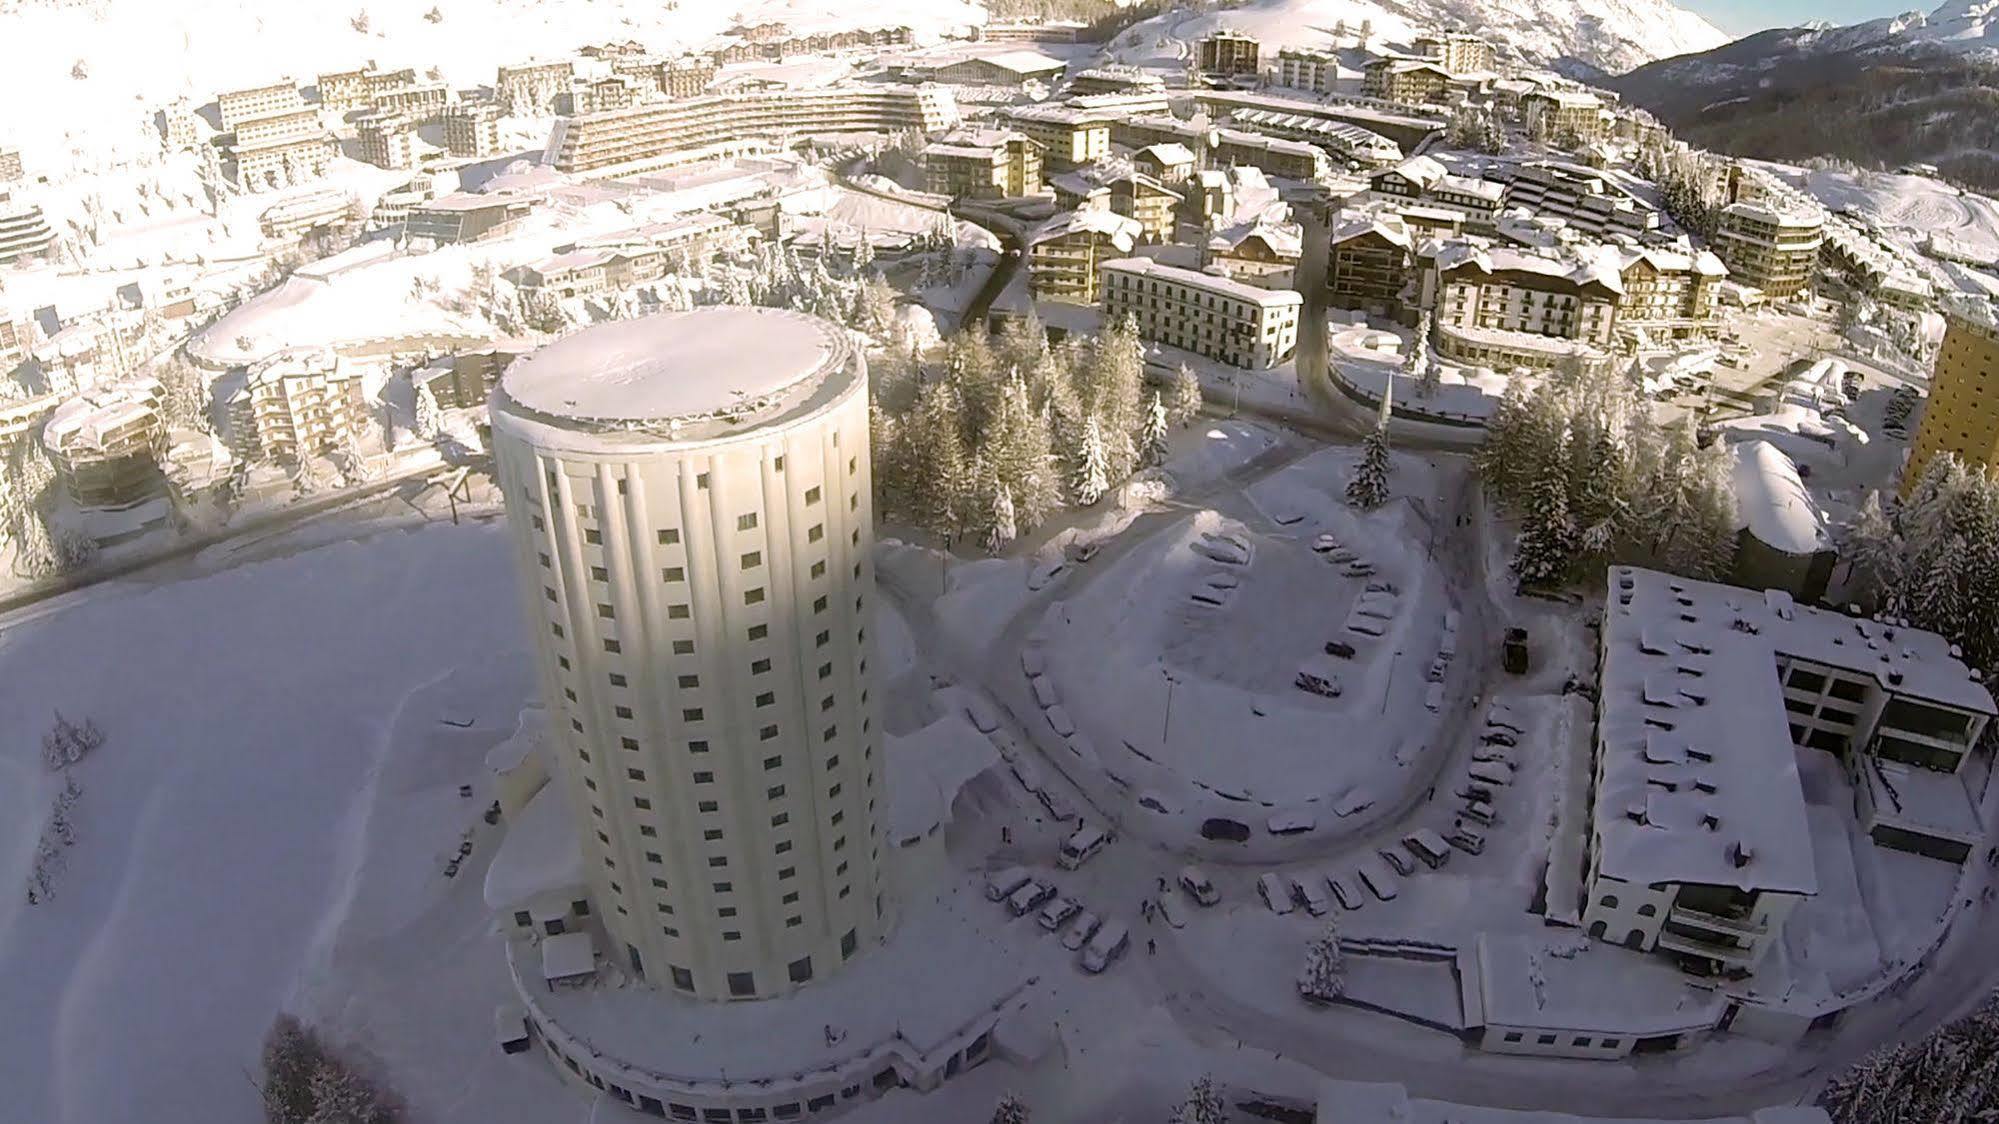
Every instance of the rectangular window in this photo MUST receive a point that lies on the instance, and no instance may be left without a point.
(599, 574)
(698, 745)
(753, 559)
(691, 714)
(669, 537)
(624, 712)
(819, 569)
(773, 763)
(683, 647)
(674, 573)
(707, 806)
(724, 887)
(813, 534)
(701, 480)
(768, 733)
(786, 873)
(676, 612)
(819, 604)
(774, 792)
(718, 860)
(759, 667)
(689, 682)
(613, 646)
(780, 819)
(812, 494)
(746, 522)
(767, 698)
(617, 680)
(593, 537)
(635, 774)
(753, 596)
(704, 777)
(821, 640)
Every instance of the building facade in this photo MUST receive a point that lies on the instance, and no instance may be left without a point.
(1770, 249)
(296, 404)
(24, 232)
(1304, 69)
(698, 517)
(1066, 255)
(1214, 316)
(180, 129)
(347, 90)
(1567, 114)
(528, 89)
(238, 106)
(386, 139)
(1069, 137)
(1225, 54)
(472, 130)
(1962, 415)
(106, 445)
(1457, 51)
(1408, 81)
(1369, 263)
(983, 164)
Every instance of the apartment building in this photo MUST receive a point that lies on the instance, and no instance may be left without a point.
(180, 128)
(656, 135)
(1066, 254)
(1587, 200)
(983, 164)
(106, 445)
(1171, 163)
(1275, 156)
(1070, 137)
(528, 89)
(1770, 249)
(1210, 315)
(1962, 415)
(297, 403)
(685, 77)
(386, 139)
(301, 214)
(1370, 261)
(421, 104)
(238, 106)
(1226, 54)
(1116, 78)
(346, 90)
(279, 148)
(623, 260)
(24, 231)
(1457, 52)
(1257, 252)
(598, 96)
(1567, 114)
(472, 130)
(1501, 307)
(1348, 143)
(1303, 69)
(466, 380)
(1145, 200)
(1422, 181)
(1667, 294)
(1013, 68)
(1407, 81)
(1407, 126)
(17, 338)
(10, 165)
(1059, 31)
(1699, 847)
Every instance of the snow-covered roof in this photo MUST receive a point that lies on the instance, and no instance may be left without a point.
(1167, 154)
(1020, 61)
(87, 419)
(678, 365)
(926, 770)
(1286, 240)
(1352, 225)
(1699, 778)
(568, 955)
(1600, 265)
(1218, 284)
(1562, 982)
(541, 853)
(1772, 501)
(1122, 230)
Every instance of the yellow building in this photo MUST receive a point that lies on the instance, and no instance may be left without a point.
(1963, 412)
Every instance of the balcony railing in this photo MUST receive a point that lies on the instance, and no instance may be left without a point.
(1740, 926)
(1724, 953)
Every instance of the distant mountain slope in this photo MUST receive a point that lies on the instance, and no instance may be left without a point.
(1914, 89)
(1609, 35)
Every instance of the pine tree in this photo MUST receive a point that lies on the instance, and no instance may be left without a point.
(1183, 393)
(292, 1055)
(184, 395)
(34, 549)
(1368, 487)
(1111, 385)
(429, 420)
(1018, 446)
(1091, 478)
(1204, 1105)
(937, 480)
(342, 1096)
(1548, 538)
(999, 527)
(1010, 1110)
(1153, 447)
(1421, 365)
(1324, 975)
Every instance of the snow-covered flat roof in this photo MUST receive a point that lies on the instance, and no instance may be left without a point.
(1565, 983)
(1206, 282)
(567, 956)
(677, 365)
(1343, 1102)
(539, 854)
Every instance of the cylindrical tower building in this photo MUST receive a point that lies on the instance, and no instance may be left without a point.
(689, 498)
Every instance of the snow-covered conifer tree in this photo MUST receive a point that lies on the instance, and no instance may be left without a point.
(429, 421)
(1000, 528)
(1204, 1105)
(1368, 487)
(1153, 448)
(1091, 478)
(1183, 396)
(1324, 975)
(1548, 537)
(1422, 365)
(1010, 1110)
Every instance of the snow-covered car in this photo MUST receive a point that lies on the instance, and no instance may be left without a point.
(1045, 694)
(1171, 909)
(1081, 846)
(1382, 585)
(1359, 569)
(1499, 716)
(1290, 823)
(1079, 743)
(1438, 668)
(1059, 720)
(1275, 894)
(1433, 697)
(1396, 860)
(1428, 846)
(1340, 648)
(1309, 890)
(1002, 883)
(1084, 551)
(1480, 812)
(1029, 898)
(1198, 885)
(1109, 944)
(1057, 804)
(1042, 576)
(1155, 802)
(1324, 544)
(1058, 912)
(1228, 552)
(980, 714)
(1081, 930)
(1474, 792)
(1466, 837)
(1366, 626)
(1490, 753)
(1344, 889)
(1328, 686)
(1221, 580)
(1380, 881)
(1494, 773)
(1025, 772)
(1032, 661)
(1498, 737)
(1341, 556)
(1209, 596)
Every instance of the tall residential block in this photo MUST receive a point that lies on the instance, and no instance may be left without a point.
(1962, 416)
(689, 500)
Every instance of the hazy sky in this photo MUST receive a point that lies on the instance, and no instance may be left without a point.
(1740, 17)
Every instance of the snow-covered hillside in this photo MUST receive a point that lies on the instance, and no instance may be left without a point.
(136, 55)
(1962, 25)
(1613, 35)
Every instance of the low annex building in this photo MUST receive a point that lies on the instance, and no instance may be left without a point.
(1205, 313)
(1698, 844)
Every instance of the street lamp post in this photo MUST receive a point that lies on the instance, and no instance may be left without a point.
(1166, 730)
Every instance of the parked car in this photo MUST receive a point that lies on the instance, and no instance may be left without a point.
(1339, 648)
(1467, 837)
(1198, 885)
(1480, 812)
(1498, 737)
(1318, 684)
(1428, 846)
(1397, 861)
(1491, 753)
(1438, 667)
(1275, 894)
(1109, 944)
(1325, 543)
(1057, 804)
(1310, 892)
(1433, 697)
(1380, 881)
(1029, 898)
(1057, 913)
(1474, 792)
(1082, 844)
(1343, 888)
(1359, 569)
(1171, 909)
(1083, 552)
(1081, 930)
(1001, 884)
(1045, 694)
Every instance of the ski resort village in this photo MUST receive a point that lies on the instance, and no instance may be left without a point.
(928, 563)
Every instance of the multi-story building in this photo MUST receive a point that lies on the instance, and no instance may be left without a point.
(528, 89)
(347, 90)
(1225, 54)
(386, 139)
(1066, 254)
(466, 380)
(1407, 126)
(1775, 250)
(1457, 52)
(1408, 81)
(1208, 314)
(632, 257)
(1223, 147)
(1260, 253)
(1116, 78)
(1502, 307)
(1070, 137)
(180, 128)
(685, 77)
(1303, 69)
(1370, 260)
(1169, 163)
(1422, 181)
(297, 403)
(1699, 846)
(1667, 294)
(463, 216)
(1350, 144)
(237, 106)
(1962, 415)
(24, 232)
(418, 103)
(597, 96)
(1002, 68)
(10, 165)
(472, 129)
(1567, 114)
(106, 445)
(306, 212)
(17, 339)
(661, 134)
(983, 164)
(690, 495)
(280, 148)
(1587, 200)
